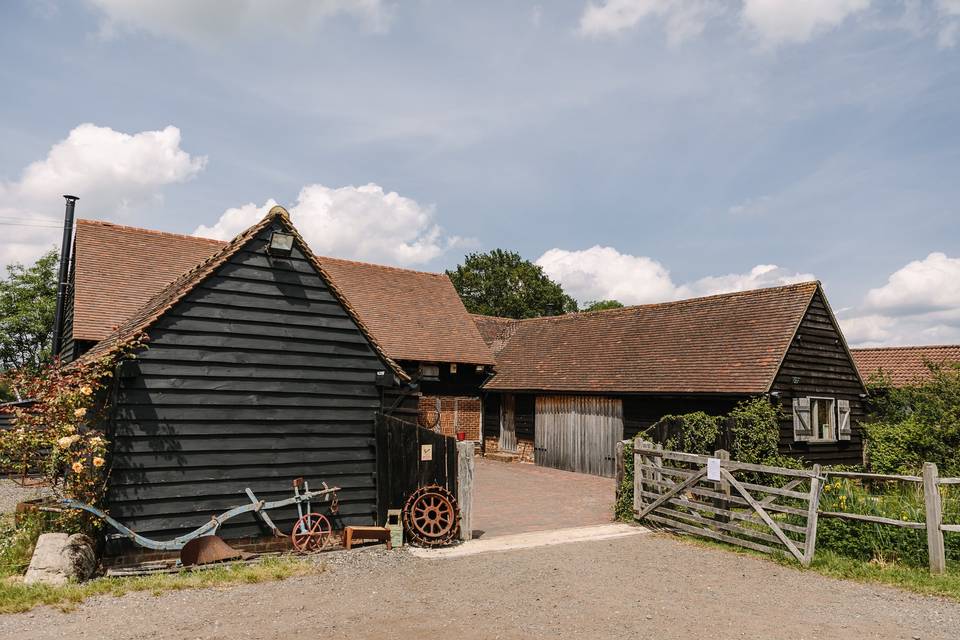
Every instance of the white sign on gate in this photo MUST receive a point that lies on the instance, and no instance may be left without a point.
(426, 452)
(713, 468)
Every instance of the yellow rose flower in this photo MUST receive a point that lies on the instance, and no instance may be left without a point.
(79, 413)
(77, 467)
(86, 390)
(65, 442)
(98, 462)
(70, 428)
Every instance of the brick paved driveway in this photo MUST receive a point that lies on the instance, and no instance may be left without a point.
(512, 497)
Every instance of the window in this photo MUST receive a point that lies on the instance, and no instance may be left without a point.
(823, 418)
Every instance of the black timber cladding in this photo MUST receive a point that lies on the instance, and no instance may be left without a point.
(817, 363)
(256, 377)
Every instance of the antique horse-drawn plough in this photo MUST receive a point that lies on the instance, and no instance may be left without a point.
(202, 545)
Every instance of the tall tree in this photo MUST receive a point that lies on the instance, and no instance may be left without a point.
(28, 302)
(601, 305)
(501, 283)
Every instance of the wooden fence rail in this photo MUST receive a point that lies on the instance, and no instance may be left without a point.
(933, 509)
(768, 509)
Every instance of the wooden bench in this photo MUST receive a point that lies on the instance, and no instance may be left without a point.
(355, 534)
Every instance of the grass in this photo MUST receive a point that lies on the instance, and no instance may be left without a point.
(16, 597)
(16, 547)
(828, 563)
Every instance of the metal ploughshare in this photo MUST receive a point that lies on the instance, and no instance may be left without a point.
(308, 534)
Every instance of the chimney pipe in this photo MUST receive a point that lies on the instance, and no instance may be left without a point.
(64, 274)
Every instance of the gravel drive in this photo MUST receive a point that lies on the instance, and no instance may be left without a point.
(646, 586)
(11, 493)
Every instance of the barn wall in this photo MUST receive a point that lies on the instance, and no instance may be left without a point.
(817, 364)
(257, 377)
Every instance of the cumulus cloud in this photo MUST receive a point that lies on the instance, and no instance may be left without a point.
(682, 19)
(949, 19)
(603, 273)
(111, 171)
(217, 20)
(362, 223)
(774, 22)
(789, 21)
(919, 304)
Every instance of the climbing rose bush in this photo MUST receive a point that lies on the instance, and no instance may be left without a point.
(61, 434)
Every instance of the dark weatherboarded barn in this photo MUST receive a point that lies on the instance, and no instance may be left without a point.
(568, 387)
(415, 316)
(257, 371)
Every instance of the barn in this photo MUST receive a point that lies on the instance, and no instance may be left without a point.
(416, 316)
(258, 370)
(906, 365)
(567, 388)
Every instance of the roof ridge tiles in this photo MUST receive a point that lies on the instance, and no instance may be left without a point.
(666, 303)
(382, 266)
(154, 232)
(906, 347)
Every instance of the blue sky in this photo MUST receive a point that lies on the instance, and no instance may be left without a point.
(640, 149)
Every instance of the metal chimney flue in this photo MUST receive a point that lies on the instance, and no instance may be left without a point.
(65, 247)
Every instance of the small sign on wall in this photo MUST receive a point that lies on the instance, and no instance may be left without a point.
(426, 452)
(713, 468)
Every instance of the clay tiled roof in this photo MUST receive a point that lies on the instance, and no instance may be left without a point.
(119, 268)
(161, 302)
(496, 331)
(413, 315)
(903, 365)
(730, 343)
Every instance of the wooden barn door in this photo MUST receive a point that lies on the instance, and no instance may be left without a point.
(508, 426)
(578, 433)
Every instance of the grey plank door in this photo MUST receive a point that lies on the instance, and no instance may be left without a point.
(578, 433)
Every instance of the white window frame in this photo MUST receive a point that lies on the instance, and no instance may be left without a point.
(817, 437)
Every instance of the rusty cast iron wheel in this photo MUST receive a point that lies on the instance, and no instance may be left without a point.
(310, 533)
(431, 517)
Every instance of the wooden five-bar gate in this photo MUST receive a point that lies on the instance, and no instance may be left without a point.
(764, 508)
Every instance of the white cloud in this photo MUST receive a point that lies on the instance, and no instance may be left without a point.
(922, 286)
(919, 304)
(949, 33)
(111, 171)
(774, 22)
(792, 21)
(217, 20)
(682, 19)
(363, 223)
(603, 273)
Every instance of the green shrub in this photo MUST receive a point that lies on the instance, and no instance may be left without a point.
(691, 432)
(755, 431)
(623, 508)
(915, 424)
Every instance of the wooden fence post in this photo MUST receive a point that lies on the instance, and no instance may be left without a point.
(931, 500)
(621, 463)
(813, 509)
(724, 504)
(465, 462)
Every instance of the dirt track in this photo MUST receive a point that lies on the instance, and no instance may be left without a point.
(646, 586)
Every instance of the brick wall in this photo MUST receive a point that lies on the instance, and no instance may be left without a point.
(456, 413)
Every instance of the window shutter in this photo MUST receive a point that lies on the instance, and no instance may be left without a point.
(843, 412)
(802, 431)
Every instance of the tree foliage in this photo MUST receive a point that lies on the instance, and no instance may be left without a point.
(501, 283)
(603, 305)
(916, 423)
(28, 300)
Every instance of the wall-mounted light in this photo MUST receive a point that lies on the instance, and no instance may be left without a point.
(281, 244)
(453, 367)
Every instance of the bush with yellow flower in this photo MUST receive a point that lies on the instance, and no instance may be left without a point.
(61, 434)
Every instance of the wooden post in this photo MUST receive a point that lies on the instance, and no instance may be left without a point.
(621, 463)
(724, 456)
(465, 452)
(931, 500)
(638, 474)
(813, 510)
